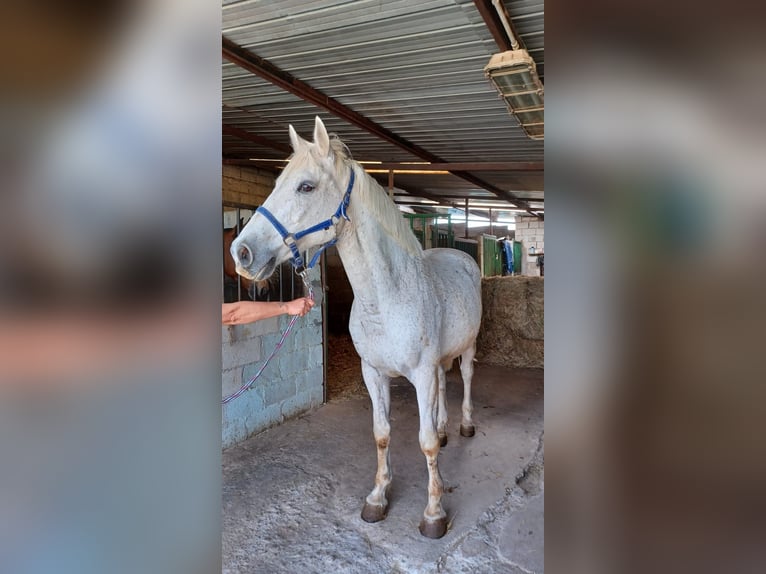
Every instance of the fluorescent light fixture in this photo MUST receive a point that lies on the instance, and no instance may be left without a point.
(514, 75)
(408, 171)
(474, 222)
(496, 207)
(415, 201)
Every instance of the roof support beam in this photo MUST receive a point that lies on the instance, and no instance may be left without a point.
(403, 167)
(455, 166)
(262, 68)
(474, 198)
(494, 25)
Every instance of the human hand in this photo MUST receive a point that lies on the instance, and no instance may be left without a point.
(299, 306)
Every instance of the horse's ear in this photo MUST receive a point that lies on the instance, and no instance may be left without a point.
(321, 139)
(295, 139)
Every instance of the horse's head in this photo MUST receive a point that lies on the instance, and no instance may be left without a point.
(307, 191)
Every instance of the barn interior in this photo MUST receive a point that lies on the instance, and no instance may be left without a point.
(442, 103)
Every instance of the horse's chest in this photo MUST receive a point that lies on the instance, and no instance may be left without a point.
(368, 330)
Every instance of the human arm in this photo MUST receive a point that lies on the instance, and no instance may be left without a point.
(251, 311)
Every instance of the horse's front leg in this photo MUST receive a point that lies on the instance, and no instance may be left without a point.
(434, 523)
(376, 504)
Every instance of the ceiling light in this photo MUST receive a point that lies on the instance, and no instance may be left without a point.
(514, 75)
(409, 171)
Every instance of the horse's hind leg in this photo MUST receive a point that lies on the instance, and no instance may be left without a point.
(434, 523)
(376, 504)
(441, 420)
(466, 369)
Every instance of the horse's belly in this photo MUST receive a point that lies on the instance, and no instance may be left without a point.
(458, 332)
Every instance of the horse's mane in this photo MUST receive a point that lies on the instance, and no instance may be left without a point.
(376, 200)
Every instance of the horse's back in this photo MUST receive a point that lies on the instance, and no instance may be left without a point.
(453, 266)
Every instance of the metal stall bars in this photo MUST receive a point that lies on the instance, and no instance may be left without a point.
(282, 287)
(470, 246)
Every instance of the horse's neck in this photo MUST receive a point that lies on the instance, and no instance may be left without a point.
(375, 263)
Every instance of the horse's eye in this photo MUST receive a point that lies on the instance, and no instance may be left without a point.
(306, 187)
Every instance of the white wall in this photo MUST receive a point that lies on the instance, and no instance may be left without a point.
(531, 232)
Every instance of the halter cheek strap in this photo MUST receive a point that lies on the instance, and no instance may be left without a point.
(291, 239)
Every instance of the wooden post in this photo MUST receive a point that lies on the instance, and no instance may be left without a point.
(391, 183)
(491, 231)
(466, 218)
(239, 277)
(480, 252)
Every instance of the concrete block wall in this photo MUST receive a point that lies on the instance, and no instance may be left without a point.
(246, 185)
(531, 232)
(292, 383)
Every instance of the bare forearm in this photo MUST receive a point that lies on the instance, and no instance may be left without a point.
(249, 311)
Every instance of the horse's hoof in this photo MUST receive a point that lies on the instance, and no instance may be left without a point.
(374, 512)
(433, 528)
(469, 430)
(443, 440)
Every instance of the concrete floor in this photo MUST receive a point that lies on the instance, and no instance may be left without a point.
(292, 495)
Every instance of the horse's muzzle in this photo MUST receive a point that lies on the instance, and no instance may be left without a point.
(267, 270)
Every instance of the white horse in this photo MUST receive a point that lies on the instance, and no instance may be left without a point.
(414, 311)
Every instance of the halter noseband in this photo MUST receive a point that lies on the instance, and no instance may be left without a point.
(290, 239)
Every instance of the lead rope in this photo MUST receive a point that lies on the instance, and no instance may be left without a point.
(248, 384)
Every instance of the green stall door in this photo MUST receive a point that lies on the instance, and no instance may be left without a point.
(492, 263)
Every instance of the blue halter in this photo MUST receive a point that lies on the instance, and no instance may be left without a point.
(291, 239)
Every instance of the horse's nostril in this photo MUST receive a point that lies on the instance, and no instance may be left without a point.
(245, 255)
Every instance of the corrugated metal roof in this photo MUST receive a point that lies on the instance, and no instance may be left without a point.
(528, 19)
(416, 68)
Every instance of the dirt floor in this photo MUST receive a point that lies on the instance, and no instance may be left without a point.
(292, 495)
(344, 369)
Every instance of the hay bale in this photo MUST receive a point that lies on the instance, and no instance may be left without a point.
(513, 322)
